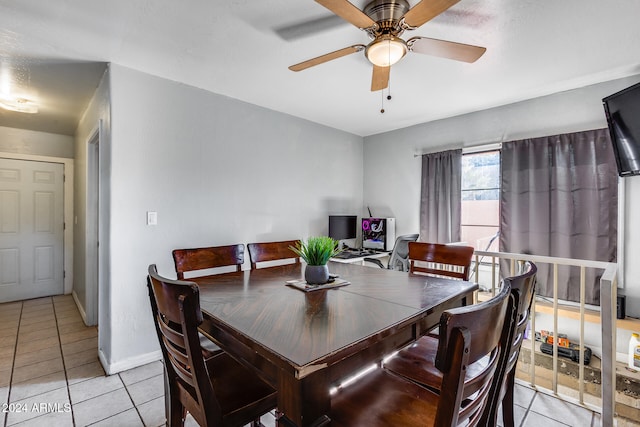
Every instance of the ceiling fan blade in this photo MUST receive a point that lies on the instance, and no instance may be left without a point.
(348, 12)
(446, 49)
(309, 28)
(380, 78)
(426, 10)
(327, 57)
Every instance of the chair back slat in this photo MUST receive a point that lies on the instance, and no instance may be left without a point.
(193, 259)
(440, 260)
(467, 335)
(177, 354)
(480, 392)
(173, 334)
(182, 371)
(175, 344)
(272, 251)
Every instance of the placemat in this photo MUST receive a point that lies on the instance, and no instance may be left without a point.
(305, 287)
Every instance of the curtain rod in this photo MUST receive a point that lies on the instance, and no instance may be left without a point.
(476, 147)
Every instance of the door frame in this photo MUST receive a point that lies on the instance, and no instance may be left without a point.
(67, 165)
(93, 231)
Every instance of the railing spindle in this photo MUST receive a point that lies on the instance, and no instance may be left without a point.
(493, 276)
(532, 318)
(555, 329)
(581, 361)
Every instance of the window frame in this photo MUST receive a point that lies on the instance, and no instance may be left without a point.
(487, 148)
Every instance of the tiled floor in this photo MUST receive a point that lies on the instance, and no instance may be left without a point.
(50, 376)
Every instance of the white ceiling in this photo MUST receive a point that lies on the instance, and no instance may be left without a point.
(242, 48)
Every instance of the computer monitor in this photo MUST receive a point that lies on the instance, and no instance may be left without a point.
(343, 227)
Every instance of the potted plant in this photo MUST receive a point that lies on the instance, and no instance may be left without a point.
(316, 252)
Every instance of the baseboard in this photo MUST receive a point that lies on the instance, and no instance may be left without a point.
(130, 363)
(83, 314)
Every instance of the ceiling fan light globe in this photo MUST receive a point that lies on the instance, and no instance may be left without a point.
(386, 51)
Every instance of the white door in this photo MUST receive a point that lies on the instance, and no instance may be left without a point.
(31, 229)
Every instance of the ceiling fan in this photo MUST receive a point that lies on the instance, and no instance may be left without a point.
(384, 21)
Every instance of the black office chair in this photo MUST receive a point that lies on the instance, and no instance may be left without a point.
(399, 259)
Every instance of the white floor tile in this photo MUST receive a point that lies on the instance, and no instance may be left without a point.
(190, 421)
(146, 390)
(4, 397)
(84, 372)
(141, 373)
(94, 387)
(269, 420)
(128, 418)
(518, 414)
(59, 419)
(51, 402)
(38, 386)
(523, 395)
(560, 410)
(101, 407)
(153, 413)
(534, 419)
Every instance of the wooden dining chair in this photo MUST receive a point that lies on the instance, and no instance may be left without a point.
(471, 335)
(417, 362)
(440, 260)
(523, 291)
(195, 259)
(272, 251)
(187, 260)
(217, 391)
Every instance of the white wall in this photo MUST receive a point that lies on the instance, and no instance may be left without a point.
(21, 141)
(218, 171)
(392, 173)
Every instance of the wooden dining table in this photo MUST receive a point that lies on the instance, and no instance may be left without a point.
(303, 343)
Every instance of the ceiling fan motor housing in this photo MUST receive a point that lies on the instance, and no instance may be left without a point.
(384, 21)
(387, 14)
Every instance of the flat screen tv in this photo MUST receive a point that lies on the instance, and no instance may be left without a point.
(343, 227)
(623, 117)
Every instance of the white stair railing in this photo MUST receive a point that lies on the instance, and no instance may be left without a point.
(608, 292)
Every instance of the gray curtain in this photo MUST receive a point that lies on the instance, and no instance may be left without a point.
(559, 197)
(441, 198)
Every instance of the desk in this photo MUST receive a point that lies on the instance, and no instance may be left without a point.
(360, 259)
(302, 343)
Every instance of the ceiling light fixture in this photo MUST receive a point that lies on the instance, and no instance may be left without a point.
(386, 50)
(20, 105)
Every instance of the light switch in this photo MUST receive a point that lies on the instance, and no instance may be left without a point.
(152, 218)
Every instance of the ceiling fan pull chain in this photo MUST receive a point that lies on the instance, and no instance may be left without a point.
(388, 93)
(389, 81)
(389, 86)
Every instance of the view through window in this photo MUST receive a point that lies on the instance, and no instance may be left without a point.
(480, 217)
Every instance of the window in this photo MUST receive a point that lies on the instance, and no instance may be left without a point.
(480, 215)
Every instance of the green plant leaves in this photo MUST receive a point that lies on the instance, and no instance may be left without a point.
(316, 250)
